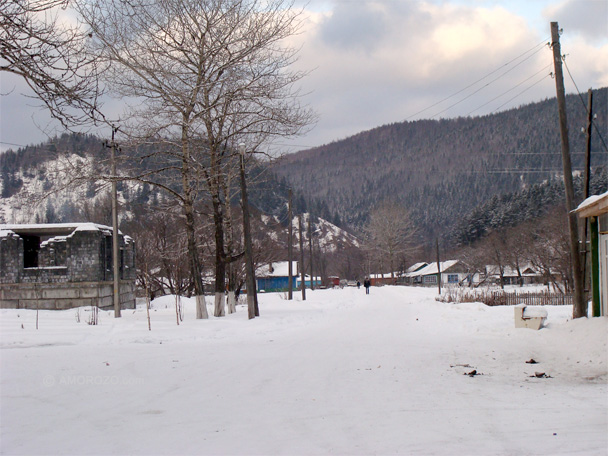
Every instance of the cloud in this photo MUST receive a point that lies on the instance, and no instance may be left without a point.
(423, 53)
(384, 61)
(588, 18)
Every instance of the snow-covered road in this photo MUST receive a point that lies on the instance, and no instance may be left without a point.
(341, 373)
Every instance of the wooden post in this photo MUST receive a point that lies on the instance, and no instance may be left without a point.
(587, 178)
(588, 141)
(438, 266)
(579, 309)
(302, 276)
(312, 285)
(290, 250)
(595, 266)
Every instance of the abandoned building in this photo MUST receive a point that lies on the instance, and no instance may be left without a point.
(60, 266)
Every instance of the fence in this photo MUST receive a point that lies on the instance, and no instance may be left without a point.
(498, 298)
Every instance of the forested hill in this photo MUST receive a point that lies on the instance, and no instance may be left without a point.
(442, 169)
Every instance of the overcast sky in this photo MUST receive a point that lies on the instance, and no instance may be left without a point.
(385, 61)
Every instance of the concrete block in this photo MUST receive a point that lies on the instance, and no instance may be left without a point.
(43, 304)
(20, 293)
(529, 317)
(9, 304)
(72, 303)
(89, 292)
(61, 293)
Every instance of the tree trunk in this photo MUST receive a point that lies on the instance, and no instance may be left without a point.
(231, 302)
(220, 258)
(195, 267)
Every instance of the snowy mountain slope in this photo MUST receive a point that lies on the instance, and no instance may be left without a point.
(43, 186)
(327, 236)
(45, 196)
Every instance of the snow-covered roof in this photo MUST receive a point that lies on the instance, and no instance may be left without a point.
(278, 269)
(593, 206)
(432, 268)
(6, 233)
(508, 271)
(55, 228)
(415, 267)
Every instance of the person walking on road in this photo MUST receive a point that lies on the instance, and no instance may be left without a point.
(367, 283)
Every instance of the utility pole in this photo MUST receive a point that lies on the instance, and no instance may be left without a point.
(249, 270)
(290, 250)
(302, 275)
(587, 178)
(438, 266)
(579, 307)
(312, 281)
(588, 141)
(115, 232)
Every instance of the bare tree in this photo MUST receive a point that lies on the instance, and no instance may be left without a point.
(495, 248)
(51, 57)
(207, 75)
(390, 233)
(549, 251)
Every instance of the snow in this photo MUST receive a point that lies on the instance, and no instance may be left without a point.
(87, 226)
(589, 201)
(431, 268)
(340, 373)
(279, 269)
(534, 311)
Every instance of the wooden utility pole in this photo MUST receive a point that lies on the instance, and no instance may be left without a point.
(588, 141)
(587, 178)
(249, 270)
(579, 307)
(115, 231)
(290, 250)
(312, 281)
(302, 275)
(438, 266)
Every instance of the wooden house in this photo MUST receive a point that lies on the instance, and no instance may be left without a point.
(595, 210)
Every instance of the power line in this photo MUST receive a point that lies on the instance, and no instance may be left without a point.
(487, 84)
(525, 90)
(583, 102)
(542, 43)
(509, 90)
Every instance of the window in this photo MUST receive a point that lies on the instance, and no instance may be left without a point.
(452, 278)
(31, 247)
(430, 279)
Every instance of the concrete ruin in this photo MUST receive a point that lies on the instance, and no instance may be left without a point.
(61, 266)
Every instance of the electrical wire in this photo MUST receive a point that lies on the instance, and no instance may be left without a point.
(509, 90)
(486, 85)
(525, 90)
(539, 45)
(583, 102)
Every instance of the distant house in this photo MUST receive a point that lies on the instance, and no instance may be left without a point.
(383, 279)
(452, 273)
(510, 276)
(595, 209)
(333, 281)
(60, 266)
(317, 281)
(275, 276)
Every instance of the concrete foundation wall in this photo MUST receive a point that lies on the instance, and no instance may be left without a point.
(58, 296)
(63, 266)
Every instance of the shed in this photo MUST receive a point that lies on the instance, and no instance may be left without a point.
(275, 276)
(60, 266)
(595, 209)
